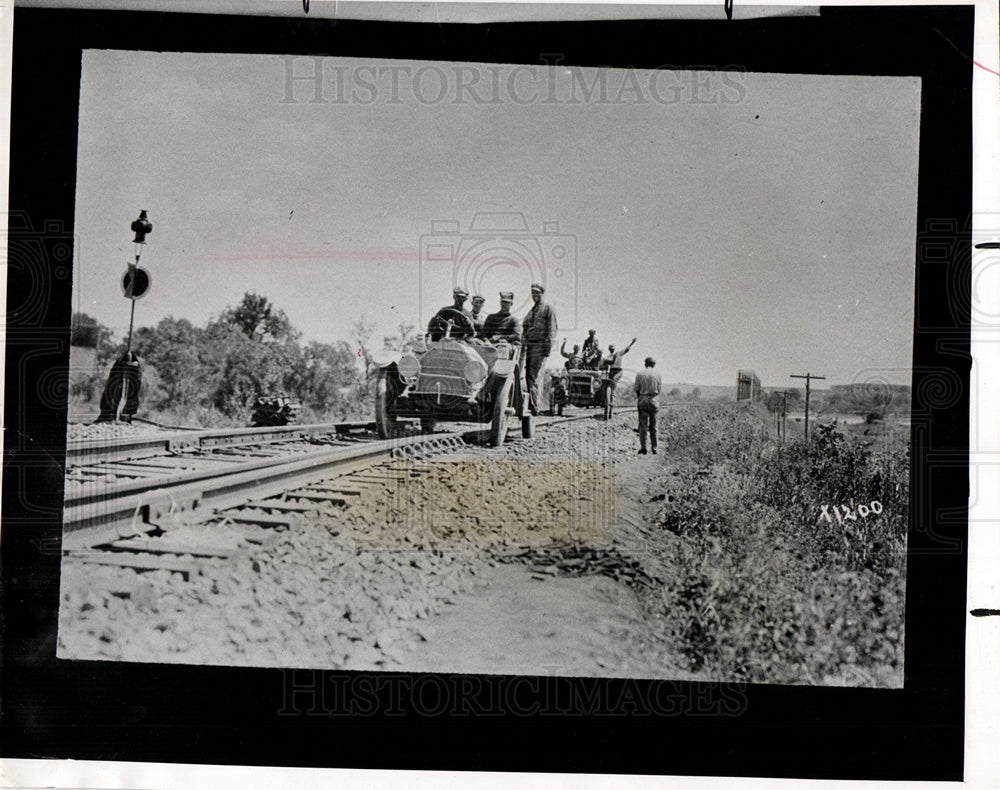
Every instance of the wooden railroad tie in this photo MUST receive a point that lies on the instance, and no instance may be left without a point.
(281, 507)
(261, 519)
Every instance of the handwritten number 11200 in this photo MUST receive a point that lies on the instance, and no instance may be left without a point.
(872, 508)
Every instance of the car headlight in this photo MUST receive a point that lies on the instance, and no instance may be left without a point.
(475, 371)
(409, 366)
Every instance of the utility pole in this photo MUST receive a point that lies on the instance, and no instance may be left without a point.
(808, 377)
(784, 411)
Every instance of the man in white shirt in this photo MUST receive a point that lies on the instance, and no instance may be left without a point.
(647, 390)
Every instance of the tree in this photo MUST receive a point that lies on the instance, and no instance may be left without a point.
(258, 319)
(406, 339)
(674, 393)
(91, 333)
(326, 370)
(361, 334)
(172, 350)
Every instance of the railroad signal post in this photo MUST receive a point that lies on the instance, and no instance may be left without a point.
(808, 377)
(120, 399)
(136, 280)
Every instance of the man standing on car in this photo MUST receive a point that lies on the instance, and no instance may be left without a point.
(613, 364)
(647, 390)
(539, 338)
(591, 351)
(502, 325)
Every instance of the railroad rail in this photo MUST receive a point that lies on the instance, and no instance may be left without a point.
(151, 479)
(122, 489)
(91, 451)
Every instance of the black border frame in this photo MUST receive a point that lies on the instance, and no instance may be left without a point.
(176, 713)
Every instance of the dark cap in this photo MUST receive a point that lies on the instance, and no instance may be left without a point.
(650, 362)
(592, 331)
(478, 298)
(458, 290)
(535, 287)
(506, 296)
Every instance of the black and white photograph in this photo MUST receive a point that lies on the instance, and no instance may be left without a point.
(579, 390)
(458, 367)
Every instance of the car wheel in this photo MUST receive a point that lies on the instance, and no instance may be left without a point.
(501, 417)
(385, 422)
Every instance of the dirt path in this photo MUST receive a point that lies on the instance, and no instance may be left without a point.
(514, 623)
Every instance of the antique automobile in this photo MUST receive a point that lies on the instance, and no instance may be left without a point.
(457, 377)
(579, 387)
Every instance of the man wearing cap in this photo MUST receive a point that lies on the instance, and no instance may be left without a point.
(591, 351)
(502, 325)
(647, 390)
(539, 338)
(477, 317)
(573, 358)
(437, 325)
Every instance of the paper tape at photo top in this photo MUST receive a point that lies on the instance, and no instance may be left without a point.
(444, 12)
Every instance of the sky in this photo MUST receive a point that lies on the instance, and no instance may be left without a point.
(727, 221)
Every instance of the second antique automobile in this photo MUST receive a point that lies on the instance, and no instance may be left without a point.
(579, 387)
(457, 377)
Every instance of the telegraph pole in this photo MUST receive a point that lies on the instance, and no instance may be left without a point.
(784, 411)
(808, 377)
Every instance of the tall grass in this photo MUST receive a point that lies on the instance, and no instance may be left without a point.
(768, 588)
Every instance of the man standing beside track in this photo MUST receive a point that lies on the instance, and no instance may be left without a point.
(539, 339)
(647, 390)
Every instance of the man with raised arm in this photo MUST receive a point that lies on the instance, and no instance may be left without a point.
(573, 358)
(613, 364)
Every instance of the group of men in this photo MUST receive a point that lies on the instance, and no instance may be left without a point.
(590, 356)
(587, 358)
(536, 334)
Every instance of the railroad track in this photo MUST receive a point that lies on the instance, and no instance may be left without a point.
(154, 501)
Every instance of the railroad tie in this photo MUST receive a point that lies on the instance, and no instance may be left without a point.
(146, 562)
(336, 499)
(261, 519)
(344, 490)
(281, 507)
(163, 546)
